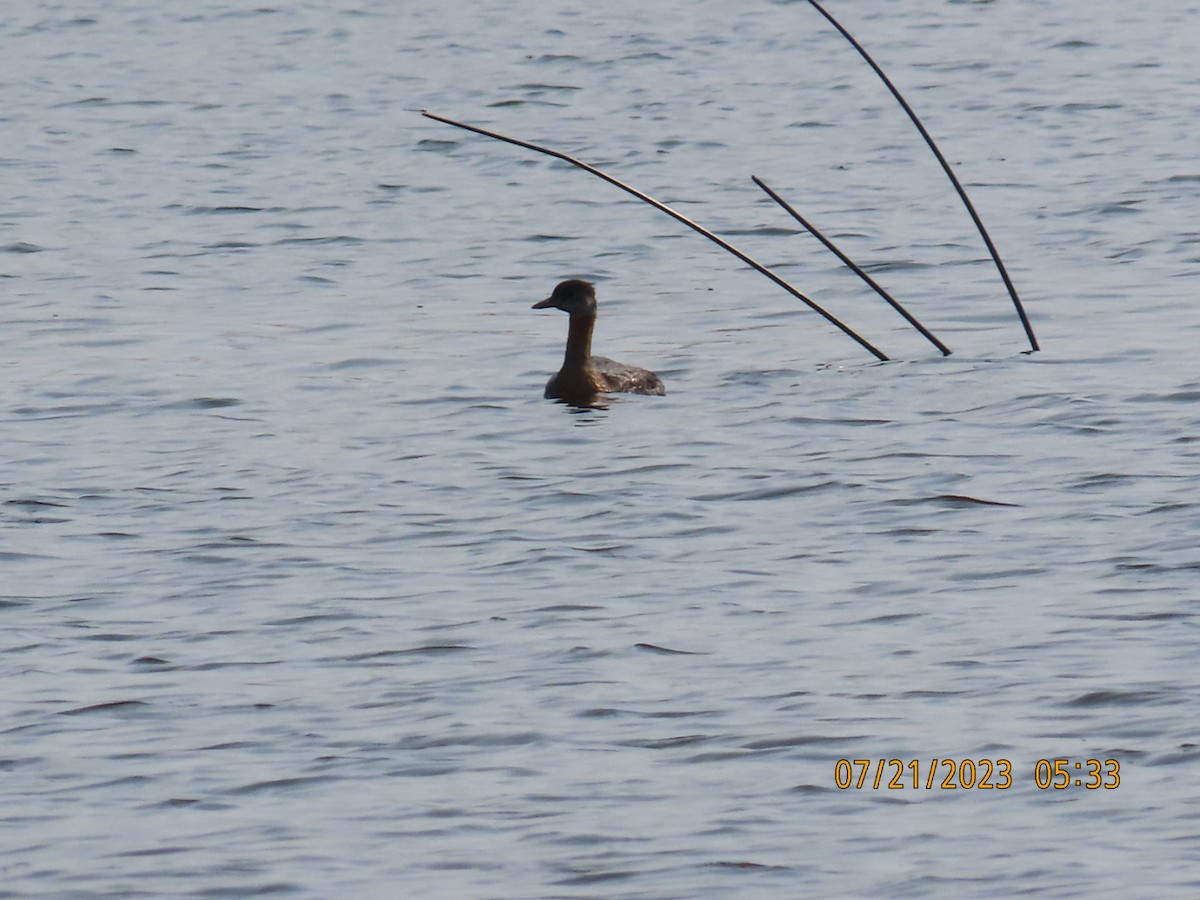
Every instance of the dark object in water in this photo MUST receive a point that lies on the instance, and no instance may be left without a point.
(583, 376)
(962, 193)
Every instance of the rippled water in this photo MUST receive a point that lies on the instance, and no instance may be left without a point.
(306, 590)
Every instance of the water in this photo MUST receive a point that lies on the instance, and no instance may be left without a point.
(307, 591)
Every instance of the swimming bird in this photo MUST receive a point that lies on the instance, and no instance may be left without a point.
(582, 375)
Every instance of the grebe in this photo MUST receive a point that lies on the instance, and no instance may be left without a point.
(582, 375)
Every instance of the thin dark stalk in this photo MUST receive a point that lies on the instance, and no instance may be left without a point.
(757, 266)
(962, 193)
(854, 267)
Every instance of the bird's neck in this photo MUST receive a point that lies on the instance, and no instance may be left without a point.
(579, 341)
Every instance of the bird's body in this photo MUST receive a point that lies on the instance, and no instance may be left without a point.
(582, 375)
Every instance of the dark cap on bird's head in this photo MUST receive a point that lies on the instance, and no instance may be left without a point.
(574, 296)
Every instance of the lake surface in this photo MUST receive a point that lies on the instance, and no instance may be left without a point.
(307, 591)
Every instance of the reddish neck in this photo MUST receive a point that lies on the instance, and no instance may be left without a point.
(579, 341)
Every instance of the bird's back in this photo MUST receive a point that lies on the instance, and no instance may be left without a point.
(620, 378)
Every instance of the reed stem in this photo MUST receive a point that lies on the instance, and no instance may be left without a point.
(962, 193)
(854, 267)
(646, 198)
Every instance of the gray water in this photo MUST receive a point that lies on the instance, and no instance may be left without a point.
(307, 591)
